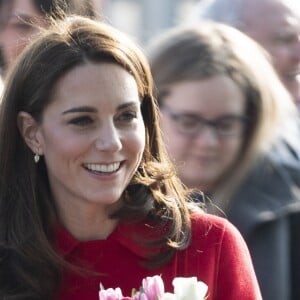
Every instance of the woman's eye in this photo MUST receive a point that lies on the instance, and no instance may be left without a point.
(81, 121)
(22, 27)
(188, 122)
(226, 125)
(127, 116)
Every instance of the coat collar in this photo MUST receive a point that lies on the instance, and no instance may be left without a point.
(130, 235)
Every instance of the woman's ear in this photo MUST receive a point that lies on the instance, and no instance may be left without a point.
(29, 129)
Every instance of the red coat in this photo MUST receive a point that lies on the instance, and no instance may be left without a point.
(217, 255)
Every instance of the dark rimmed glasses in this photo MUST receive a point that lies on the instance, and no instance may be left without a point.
(191, 125)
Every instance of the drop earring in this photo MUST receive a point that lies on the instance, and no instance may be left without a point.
(36, 158)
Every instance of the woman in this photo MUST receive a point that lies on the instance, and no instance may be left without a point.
(87, 194)
(230, 127)
(21, 21)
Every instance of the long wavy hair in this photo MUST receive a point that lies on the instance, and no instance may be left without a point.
(29, 266)
(199, 52)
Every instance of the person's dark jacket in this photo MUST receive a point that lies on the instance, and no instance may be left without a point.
(266, 210)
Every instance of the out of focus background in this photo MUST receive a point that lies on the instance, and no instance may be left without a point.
(143, 19)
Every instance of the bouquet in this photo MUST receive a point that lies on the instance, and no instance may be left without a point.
(185, 288)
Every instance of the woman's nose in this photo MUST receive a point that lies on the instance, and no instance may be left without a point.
(108, 138)
(207, 135)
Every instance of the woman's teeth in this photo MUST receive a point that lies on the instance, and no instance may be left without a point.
(103, 168)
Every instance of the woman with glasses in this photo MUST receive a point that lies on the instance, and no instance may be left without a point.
(227, 123)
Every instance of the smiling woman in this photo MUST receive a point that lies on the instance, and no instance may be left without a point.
(92, 145)
(87, 192)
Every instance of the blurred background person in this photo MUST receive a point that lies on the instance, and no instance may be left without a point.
(22, 19)
(225, 117)
(275, 24)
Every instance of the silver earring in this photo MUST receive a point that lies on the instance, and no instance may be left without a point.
(36, 158)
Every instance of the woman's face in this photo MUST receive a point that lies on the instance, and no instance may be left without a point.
(92, 136)
(16, 31)
(203, 152)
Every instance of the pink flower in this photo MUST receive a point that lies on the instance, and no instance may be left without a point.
(111, 294)
(153, 287)
(139, 296)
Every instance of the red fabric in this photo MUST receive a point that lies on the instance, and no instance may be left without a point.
(217, 255)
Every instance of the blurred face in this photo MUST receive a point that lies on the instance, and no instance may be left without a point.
(92, 136)
(17, 31)
(275, 24)
(202, 123)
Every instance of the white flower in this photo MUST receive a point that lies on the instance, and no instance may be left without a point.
(189, 289)
(168, 296)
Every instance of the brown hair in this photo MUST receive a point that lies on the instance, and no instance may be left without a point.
(27, 212)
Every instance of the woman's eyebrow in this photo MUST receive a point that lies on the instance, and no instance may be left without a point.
(88, 109)
(23, 17)
(129, 104)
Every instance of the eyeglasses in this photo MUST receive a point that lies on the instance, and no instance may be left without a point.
(191, 124)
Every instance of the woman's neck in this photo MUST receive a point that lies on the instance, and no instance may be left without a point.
(87, 223)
